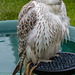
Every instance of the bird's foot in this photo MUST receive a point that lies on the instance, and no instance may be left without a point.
(57, 55)
(48, 60)
(27, 69)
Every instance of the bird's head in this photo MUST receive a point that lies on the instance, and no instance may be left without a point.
(55, 2)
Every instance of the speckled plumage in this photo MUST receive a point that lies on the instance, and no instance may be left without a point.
(41, 27)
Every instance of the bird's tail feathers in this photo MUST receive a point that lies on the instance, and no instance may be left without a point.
(16, 68)
(19, 66)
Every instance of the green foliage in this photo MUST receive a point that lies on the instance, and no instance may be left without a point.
(70, 6)
(9, 9)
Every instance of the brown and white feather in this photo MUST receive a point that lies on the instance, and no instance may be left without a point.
(40, 29)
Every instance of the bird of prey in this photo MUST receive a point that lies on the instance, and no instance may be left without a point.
(42, 25)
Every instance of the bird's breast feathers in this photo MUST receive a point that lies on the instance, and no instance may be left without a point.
(43, 38)
(47, 33)
(43, 26)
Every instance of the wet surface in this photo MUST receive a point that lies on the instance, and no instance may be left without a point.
(9, 51)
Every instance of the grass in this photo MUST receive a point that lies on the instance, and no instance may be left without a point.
(9, 9)
(70, 6)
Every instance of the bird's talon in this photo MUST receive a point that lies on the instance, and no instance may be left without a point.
(32, 69)
(27, 68)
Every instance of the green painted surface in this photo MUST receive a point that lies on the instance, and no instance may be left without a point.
(68, 47)
(9, 46)
(8, 26)
(9, 52)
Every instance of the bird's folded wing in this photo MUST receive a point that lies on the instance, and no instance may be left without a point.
(26, 22)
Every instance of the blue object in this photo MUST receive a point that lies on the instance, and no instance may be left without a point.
(9, 46)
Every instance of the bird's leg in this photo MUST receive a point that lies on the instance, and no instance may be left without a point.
(32, 69)
(37, 65)
(47, 60)
(57, 55)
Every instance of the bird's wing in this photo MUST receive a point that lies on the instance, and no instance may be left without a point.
(26, 22)
(65, 20)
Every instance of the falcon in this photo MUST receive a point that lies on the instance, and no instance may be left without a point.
(42, 25)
